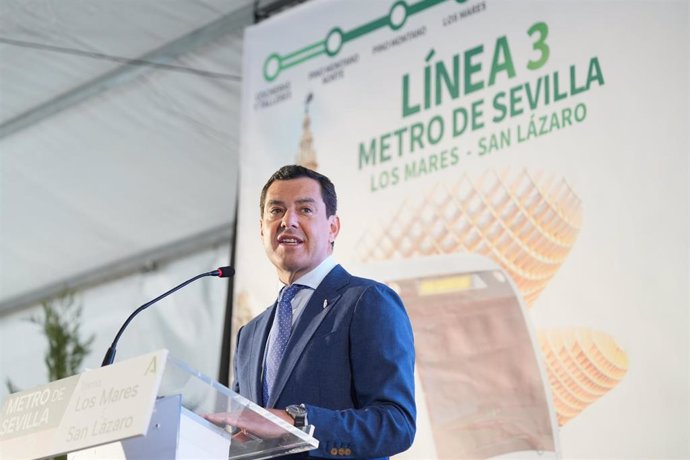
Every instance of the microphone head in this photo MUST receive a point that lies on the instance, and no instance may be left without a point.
(225, 272)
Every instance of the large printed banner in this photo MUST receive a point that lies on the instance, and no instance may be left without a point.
(518, 172)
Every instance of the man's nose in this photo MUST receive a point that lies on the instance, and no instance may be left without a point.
(289, 219)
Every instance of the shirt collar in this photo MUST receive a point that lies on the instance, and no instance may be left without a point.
(314, 277)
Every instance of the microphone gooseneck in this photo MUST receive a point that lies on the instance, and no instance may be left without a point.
(221, 272)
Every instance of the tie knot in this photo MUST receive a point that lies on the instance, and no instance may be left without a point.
(290, 291)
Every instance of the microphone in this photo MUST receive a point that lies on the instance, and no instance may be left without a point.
(221, 272)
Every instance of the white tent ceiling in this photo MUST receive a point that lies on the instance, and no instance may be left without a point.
(119, 125)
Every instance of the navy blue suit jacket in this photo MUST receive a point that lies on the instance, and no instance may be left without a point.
(351, 363)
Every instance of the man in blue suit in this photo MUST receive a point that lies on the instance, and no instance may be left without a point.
(348, 361)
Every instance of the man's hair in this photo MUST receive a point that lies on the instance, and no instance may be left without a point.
(295, 172)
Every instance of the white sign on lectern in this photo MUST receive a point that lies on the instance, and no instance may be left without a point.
(97, 407)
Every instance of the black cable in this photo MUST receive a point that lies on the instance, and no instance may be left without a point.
(120, 60)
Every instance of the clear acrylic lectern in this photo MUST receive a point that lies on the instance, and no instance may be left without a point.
(178, 429)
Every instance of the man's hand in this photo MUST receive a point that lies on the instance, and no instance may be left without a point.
(252, 424)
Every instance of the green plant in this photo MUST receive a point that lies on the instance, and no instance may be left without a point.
(66, 351)
(59, 322)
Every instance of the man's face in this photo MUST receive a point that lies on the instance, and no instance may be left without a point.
(296, 233)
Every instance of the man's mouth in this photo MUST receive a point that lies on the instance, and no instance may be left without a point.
(289, 240)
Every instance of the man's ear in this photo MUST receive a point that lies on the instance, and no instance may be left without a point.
(261, 228)
(334, 227)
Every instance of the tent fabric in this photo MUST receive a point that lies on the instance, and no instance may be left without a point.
(188, 323)
(119, 125)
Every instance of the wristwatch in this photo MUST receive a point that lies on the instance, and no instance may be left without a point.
(298, 412)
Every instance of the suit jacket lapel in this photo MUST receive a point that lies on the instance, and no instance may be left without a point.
(328, 294)
(263, 327)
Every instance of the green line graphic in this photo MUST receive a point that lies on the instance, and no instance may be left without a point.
(336, 38)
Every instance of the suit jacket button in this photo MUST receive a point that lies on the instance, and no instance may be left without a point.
(341, 451)
(334, 451)
(348, 451)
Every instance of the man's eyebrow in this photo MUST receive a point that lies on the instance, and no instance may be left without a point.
(275, 202)
(298, 201)
(305, 200)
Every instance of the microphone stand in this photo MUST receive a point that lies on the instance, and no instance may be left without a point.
(109, 357)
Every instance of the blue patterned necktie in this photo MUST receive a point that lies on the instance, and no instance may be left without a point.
(279, 341)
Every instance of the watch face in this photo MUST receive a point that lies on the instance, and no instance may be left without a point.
(298, 414)
(296, 411)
